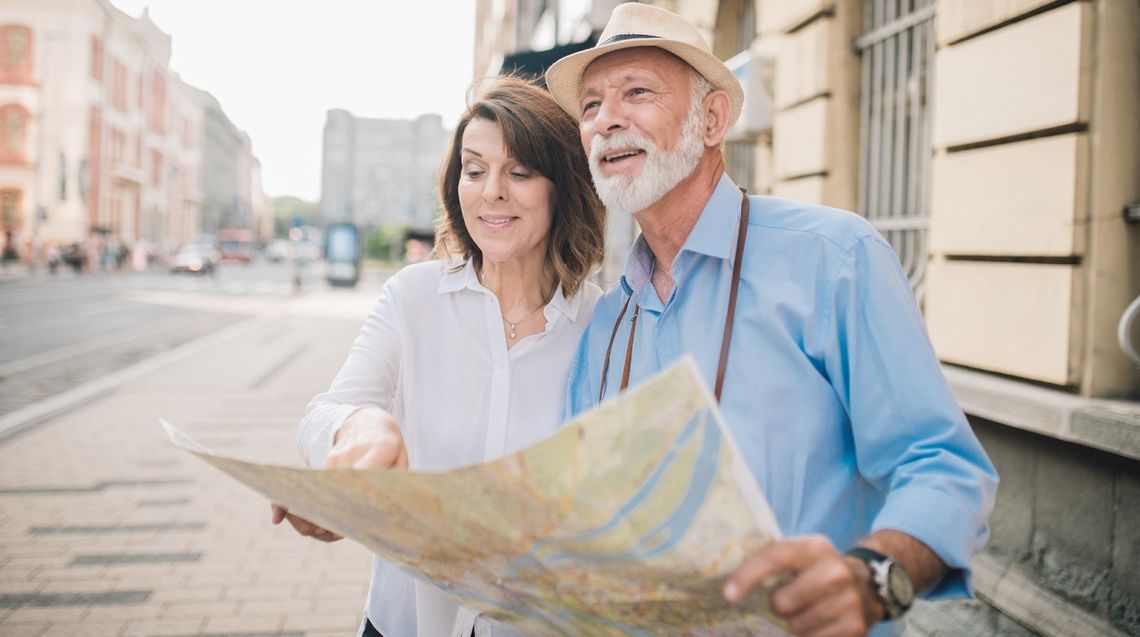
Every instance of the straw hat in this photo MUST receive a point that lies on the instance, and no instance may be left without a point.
(633, 25)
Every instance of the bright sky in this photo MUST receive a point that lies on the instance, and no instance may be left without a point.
(277, 66)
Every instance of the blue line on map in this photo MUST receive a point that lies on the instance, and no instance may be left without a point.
(669, 532)
(640, 495)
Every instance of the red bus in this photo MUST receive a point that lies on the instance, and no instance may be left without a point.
(236, 244)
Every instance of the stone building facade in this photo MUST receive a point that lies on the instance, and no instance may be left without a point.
(100, 140)
(994, 145)
(381, 172)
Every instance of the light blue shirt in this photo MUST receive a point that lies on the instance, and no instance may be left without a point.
(833, 391)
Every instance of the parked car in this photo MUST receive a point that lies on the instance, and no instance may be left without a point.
(196, 258)
(279, 250)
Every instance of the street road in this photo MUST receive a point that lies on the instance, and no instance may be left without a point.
(105, 528)
(59, 332)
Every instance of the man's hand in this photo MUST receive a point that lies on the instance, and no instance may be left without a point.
(368, 439)
(303, 526)
(824, 593)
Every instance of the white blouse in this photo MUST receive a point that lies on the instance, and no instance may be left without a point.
(433, 354)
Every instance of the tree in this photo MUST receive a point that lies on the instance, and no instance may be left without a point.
(287, 208)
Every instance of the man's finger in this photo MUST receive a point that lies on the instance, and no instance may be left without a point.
(780, 557)
(278, 513)
(823, 579)
(834, 616)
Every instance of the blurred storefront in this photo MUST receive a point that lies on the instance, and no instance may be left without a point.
(995, 146)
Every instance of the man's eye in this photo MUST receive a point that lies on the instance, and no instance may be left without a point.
(590, 106)
(638, 91)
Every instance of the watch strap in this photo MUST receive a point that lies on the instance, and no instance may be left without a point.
(880, 566)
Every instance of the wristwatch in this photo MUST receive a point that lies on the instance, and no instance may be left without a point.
(891, 583)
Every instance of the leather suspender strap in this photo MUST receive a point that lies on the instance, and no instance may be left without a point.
(731, 313)
(629, 347)
(610, 348)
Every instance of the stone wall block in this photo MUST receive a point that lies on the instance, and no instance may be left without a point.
(1124, 606)
(1033, 75)
(1073, 531)
(1013, 318)
(778, 16)
(956, 19)
(1028, 198)
(1011, 524)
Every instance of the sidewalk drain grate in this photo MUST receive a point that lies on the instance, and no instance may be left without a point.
(134, 558)
(45, 600)
(116, 528)
(97, 487)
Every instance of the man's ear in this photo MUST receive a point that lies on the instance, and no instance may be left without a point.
(718, 107)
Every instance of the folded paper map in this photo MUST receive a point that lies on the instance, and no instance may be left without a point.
(626, 521)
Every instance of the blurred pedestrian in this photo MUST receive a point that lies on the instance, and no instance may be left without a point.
(521, 231)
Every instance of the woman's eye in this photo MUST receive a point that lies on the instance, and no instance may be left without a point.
(520, 175)
(472, 173)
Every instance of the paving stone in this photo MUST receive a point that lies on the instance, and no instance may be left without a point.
(119, 489)
(163, 628)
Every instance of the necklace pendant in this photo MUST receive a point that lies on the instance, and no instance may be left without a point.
(514, 333)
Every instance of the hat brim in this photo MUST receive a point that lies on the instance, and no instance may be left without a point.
(564, 78)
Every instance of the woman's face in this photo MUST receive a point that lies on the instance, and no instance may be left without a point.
(506, 206)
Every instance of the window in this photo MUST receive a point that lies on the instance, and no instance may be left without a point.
(157, 102)
(13, 133)
(894, 147)
(118, 85)
(10, 210)
(62, 177)
(96, 58)
(155, 168)
(15, 53)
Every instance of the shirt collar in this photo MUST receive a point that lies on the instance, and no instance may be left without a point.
(460, 275)
(713, 235)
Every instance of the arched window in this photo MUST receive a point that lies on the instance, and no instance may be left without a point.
(15, 53)
(13, 133)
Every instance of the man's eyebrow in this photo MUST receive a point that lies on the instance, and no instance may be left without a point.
(632, 77)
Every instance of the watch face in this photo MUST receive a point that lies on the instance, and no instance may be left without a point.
(901, 588)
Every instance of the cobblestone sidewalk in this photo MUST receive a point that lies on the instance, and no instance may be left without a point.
(106, 529)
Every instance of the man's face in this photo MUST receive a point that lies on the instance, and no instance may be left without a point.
(640, 125)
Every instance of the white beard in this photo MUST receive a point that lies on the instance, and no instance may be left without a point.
(662, 171)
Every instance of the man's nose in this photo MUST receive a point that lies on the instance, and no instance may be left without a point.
(611, 117)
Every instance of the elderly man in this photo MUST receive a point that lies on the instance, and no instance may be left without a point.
(804, 319)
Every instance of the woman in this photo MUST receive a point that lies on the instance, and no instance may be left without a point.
(470, 354)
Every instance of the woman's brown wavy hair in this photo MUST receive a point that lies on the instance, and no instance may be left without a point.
(544, 138)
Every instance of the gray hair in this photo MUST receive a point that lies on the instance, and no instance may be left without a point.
(699, 88)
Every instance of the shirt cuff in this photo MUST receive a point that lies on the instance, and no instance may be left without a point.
(948, 526)
(318, 444)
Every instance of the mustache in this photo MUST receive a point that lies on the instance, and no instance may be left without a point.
(622, 140)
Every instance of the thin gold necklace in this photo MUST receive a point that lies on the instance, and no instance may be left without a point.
(514, 325)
